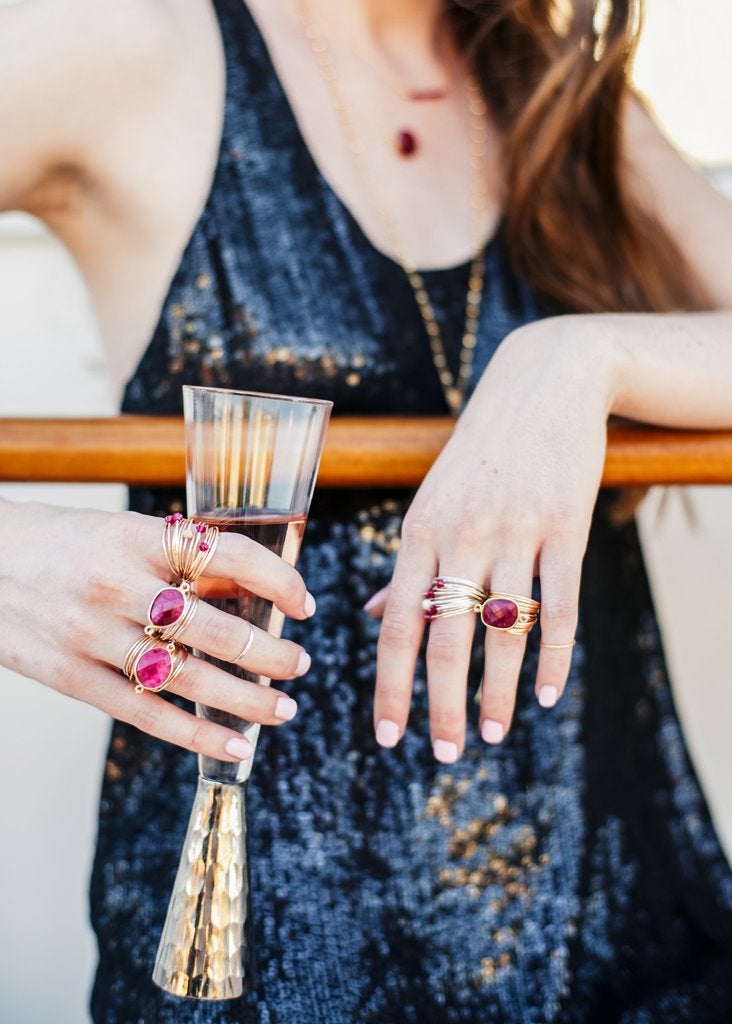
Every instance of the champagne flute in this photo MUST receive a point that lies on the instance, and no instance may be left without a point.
(251, 465)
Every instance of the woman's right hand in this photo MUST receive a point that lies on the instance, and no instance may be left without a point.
(75, 587)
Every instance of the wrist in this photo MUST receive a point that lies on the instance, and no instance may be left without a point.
(581, 349)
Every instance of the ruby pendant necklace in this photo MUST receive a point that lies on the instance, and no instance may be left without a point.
(405, 142)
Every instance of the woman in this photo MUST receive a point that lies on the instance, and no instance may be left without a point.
(292, 160)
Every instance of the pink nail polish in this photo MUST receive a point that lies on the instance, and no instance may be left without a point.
(548, 696)
(387, 733)
(492, 732)
(303, 664)
(239, 746)
(445, 752)
(285, 709)
(309, 604)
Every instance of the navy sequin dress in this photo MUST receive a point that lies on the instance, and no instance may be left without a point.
(571, 875)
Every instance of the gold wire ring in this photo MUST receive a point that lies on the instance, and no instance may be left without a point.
(451, 595)
(171, 610)
(557, 647)
(247, 646)
(153, 665)
(509, 613)
(188, 546)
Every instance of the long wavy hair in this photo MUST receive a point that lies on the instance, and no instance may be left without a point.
(555, 74)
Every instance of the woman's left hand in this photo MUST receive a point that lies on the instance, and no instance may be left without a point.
(509, 498)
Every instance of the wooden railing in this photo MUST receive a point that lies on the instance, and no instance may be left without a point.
(359, 452)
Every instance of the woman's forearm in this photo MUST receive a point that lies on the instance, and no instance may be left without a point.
(669, 369)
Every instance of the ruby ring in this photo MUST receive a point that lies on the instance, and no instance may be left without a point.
(170, 611)
(509, 613)
(452, 595)
(152, 664)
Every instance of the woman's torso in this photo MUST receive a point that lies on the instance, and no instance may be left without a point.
(146, 187)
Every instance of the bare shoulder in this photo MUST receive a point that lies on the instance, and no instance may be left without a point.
(680, 196)
(75, 69)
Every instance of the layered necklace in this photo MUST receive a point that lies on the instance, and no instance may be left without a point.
(454, 386)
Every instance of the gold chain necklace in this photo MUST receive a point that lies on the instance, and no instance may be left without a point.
(454, 387)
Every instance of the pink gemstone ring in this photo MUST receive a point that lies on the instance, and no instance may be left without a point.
(170, 611)
(188, 546)
(451, 595)
(509, 613)
(152, 664)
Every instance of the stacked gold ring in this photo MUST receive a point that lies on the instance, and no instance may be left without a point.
(152, 664)
(188, 546)
(510, 613)
(171, 610)
(452, 595)
(153, 661)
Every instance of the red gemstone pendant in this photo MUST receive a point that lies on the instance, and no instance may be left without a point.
(406, 142)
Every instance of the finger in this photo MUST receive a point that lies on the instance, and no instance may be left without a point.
(200, 681)
(448, 661)
(236, 558)
(504, 652)
(560, 567)
(400, 636)
(377, 603)
(229, 638)
(107, 690)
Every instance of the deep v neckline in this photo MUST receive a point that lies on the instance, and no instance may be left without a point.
(256, 38)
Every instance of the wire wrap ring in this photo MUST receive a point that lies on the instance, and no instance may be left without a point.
(152, 665)
(452, 595)
(170, 611)
(188, 546)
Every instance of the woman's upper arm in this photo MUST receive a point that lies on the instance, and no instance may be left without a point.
(696, 215)
(63, 64)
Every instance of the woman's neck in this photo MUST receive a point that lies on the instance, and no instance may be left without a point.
(407, 35)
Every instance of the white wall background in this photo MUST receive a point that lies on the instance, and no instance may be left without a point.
(51, 749)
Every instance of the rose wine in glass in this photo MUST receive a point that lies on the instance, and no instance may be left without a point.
(251, 464)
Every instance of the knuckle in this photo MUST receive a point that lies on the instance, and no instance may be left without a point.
(442, 650)
(559, 608)
(417, 528)
(446, 721)
(293, 587)
(285, 659)
(133, 530)
(99, 589)
(79, 630)
(65, 676)
(146, 717)
(198, 739)
(397, 631)
(217, 636)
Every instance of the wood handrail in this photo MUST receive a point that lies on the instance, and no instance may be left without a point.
(360, 452)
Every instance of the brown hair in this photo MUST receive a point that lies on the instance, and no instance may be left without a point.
(555, 75)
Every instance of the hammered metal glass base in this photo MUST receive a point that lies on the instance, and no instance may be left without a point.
(204, 951)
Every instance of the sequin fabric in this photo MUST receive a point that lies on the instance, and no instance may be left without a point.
(571, 876)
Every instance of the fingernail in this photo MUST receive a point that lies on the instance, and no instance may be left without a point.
(548, 696)
(375, 599)
(303, 663)
(309, 604)
(387, 733)
(239, 746)
(285, 709)
(444, 751)
(492, 732)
